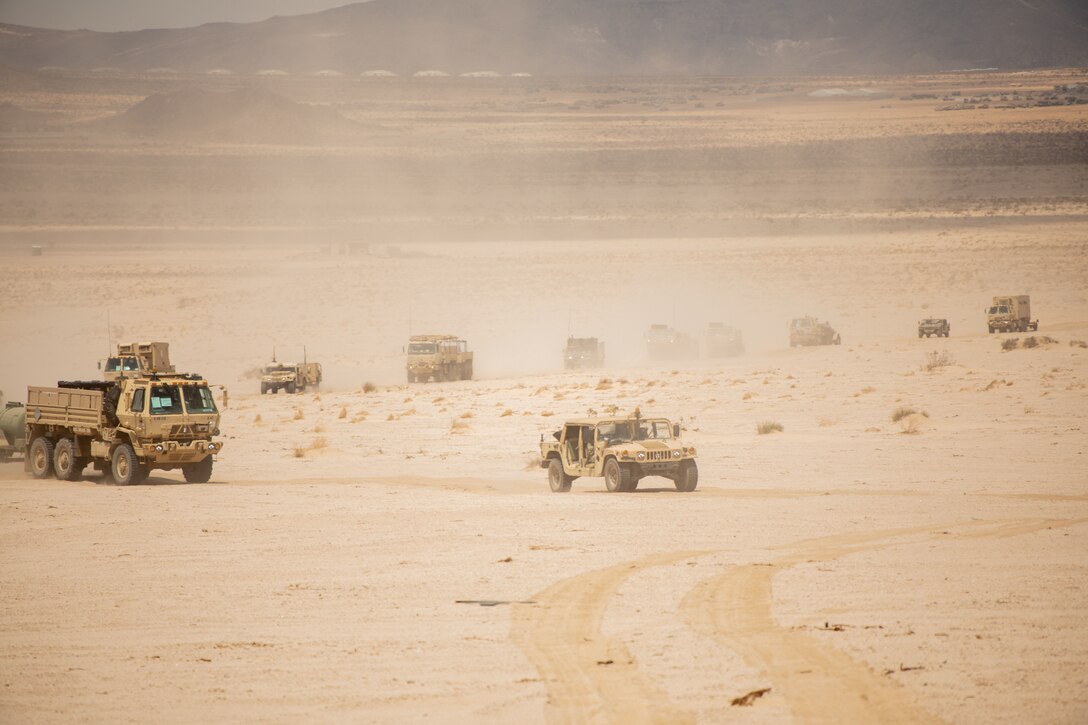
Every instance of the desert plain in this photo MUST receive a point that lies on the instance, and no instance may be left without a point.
(375, 552)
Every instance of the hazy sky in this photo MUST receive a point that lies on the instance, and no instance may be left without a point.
(139, 14)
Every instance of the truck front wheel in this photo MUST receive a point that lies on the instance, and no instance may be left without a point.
(558, 479)
(617, 477)
(200, 472)
(66, 463)
(687, 478)
(41, 457)
(127, 469)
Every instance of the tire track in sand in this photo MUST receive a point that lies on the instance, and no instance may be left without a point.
(561, 635)
(819, 682)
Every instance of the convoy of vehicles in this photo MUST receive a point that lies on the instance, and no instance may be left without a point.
(622, 450)
(808, 330)
(933, 326)
(439, 358)
(1010, 313)
(583, 352)
(294, 378)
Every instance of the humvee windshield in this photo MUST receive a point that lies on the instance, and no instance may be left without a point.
(122, 364)
(198, 399)
(165, 400)
(802, 322)
(625, 430)
(999, 310)
(421, 348)
(278, 369)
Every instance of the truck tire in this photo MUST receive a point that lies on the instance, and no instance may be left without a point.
(200, 472)
(558, 480)
(617, 477)
(264, 388)
(66, 463)
(41, 457)
(291, 388)
(920, 333)
(687, 478)
(126, 467)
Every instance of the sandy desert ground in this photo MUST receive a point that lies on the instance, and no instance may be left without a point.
(850, 568)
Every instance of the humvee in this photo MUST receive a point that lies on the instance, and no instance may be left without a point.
(810, 331)
(583, 352)
(933, 326)
(723, 341)
(622, 450)
(665, 343)
(438, 357)
(294, 378)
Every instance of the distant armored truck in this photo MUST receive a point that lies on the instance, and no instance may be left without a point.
(933, 326)
(294, 378)
(723, 341)
(583, 352)
(1011, 314)
(622, 450)
(439, 358)
(665, 343)
(125, 428)
(810, 331)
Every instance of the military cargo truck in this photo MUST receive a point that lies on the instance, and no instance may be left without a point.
(438, 358)
(125, 428)
(1011, 313)
(810, 331)
(933, 326)
(665, 343)
(622, 450)
(138, 358)
(583, 352)
(12, 430)
(294, 378)
(723, 341)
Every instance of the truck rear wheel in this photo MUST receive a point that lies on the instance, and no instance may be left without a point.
(616, 477)
(41, 457)
(127, 469)
(687, 478)
(200, 472)
(558, 479)
(66, 463)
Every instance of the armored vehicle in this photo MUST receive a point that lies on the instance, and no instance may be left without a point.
(1011, 314)
(438, 358)
(723, 341)
(933, 326)
(138, 358)
(583, 352)
(12, 430)
(294, 378)
(810, 331)
(623, 450)
(125, 428)
(665, 343)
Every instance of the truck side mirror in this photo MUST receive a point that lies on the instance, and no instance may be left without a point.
(675, 430)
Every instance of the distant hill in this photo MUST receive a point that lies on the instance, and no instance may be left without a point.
(595, 37)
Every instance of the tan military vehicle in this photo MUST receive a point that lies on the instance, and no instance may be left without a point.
(665, 343)
(138, 358)
(294, 378)
(934, 326)
(623, 450)
(583, 352)
(125, 428)
(723, 341)
(12, 430)
(438, 358)
(1010, 313)
(810, 331)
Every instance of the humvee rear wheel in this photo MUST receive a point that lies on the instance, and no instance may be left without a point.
(126, 468)
(66, 463)
(41, 457)
(616, 476)
(200, 472)
(687, 478)
(558, 480)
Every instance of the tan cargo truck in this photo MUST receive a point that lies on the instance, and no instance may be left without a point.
(622, 450)
(138, 358)
(808, 330)
(125, 428)
(438, 358)
(583, 352)
(1010, 313)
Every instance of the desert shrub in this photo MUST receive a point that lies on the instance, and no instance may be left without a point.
(299, 415)
(1011, 344)
(458, 426)
(257, 420)
(319, 443)
(935, 359)
(299, 452)
(910, 424)
(369, 387)
(902, 412)
(343, 412)
(604, 384)
(319, 428)
(1030, 342)
(1078, 343)
(768, 426)
(468, 414)
(507, 413)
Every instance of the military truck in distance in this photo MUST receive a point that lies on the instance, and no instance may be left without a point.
(583, 352)
(723, 341)
(126, 428)
(294, 378)
(665, 343)
(623, 450)
(138, 358)
(933, 326)
(1011, 313)
(438, 357)
(810, 331)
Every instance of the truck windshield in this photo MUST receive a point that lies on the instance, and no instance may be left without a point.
(421, 348)
(277, 369)
(999, 310)
(165, 400)
(116, 364)
(198, 399)
(653, 430)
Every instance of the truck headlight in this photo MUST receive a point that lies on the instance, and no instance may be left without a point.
(159, 448)
(676, 453)
(641, 456)
(211, 446)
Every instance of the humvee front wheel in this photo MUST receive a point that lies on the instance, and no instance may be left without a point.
(616, 476)
(200, 472)
(558, 480)
(687, 478)
(41, 457)
(291, 388)
(66, 463)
